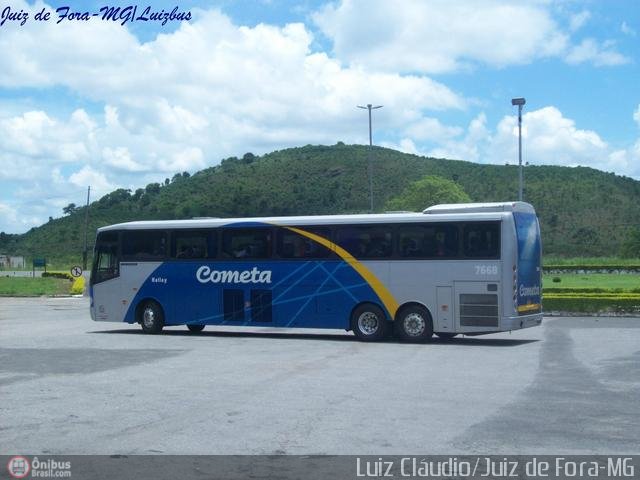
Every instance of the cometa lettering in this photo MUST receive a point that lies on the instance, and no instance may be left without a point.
(205, 274)
(529, 291)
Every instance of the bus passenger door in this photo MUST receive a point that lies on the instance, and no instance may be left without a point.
(445, 315)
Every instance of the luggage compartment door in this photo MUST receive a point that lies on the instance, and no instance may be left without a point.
(445, 315)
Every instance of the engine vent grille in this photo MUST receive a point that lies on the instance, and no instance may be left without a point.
(479, 310)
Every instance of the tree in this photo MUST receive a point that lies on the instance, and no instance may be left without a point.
(139, 192)
(631, 245)
(429, 190)
(152, 188)
(69, 209)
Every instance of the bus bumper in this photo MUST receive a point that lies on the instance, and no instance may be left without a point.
(521, 321)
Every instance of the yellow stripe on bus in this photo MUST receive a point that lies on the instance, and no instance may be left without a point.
(531, 306)
(378, 287)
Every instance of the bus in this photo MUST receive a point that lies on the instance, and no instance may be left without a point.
(454, 269)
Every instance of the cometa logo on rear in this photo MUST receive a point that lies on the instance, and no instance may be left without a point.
(205, 274)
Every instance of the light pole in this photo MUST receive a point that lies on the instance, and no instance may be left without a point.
(370, 167)
(519, 102)
(86, 227)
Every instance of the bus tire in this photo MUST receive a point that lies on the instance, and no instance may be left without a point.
(151, 317)
(446, 335)
(369, 323)
(414, 324)
(195, 328)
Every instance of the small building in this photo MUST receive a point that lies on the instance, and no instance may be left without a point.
(11, 262)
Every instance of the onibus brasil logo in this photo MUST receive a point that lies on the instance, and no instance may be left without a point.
(20, 467)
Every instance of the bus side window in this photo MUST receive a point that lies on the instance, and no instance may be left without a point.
(481, 240)
(141, 245)
(246, 243)
(294, 245)
(190, 244)
(428, 241)
(365, 242)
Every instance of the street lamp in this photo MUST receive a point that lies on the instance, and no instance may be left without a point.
(370, 167)
(519, 102)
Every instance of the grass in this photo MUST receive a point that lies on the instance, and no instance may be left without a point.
(591, 261)
(25, 286)
(607, 281)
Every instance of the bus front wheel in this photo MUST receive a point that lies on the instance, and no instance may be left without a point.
(195, 328)
(414, 324)
(151, 317)
(369, 323)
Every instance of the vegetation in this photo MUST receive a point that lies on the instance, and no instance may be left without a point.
(583, 212)
(551, 261)
(427, 191)
(27, 287)
(581, 304)
(576, 283)
(631, 244)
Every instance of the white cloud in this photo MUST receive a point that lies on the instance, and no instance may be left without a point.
(469, 147)
(439, 36)
(87, 176)
(8, 215)
(627, 30)
(120, 158)
(636, 115)
(431, 129)
(591, 51)
(577, 21)
(549, 138)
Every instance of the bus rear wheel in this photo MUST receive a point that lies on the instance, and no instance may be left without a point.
(151, 317)
(369, 323)
(195, 328)
(413, 324)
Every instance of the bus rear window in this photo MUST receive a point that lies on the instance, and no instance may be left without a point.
(144, 245)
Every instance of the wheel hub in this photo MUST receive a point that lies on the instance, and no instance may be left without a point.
(149, 317)
(368, 323)
(414, 324)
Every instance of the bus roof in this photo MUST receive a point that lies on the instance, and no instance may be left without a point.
(480, 207)
(468, 212)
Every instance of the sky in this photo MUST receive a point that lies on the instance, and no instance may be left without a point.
(119, 106)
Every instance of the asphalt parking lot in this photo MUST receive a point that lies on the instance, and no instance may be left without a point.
(70, 385)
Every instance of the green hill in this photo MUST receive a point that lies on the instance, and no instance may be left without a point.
(583, 211)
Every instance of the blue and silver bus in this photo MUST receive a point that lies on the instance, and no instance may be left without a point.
(453, 269)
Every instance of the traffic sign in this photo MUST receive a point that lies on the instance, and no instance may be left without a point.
(76, 271)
